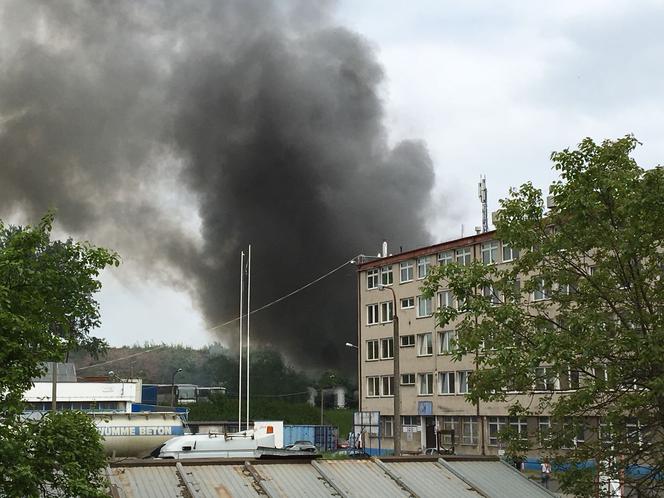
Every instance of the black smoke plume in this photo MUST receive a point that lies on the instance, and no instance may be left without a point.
(178, 132)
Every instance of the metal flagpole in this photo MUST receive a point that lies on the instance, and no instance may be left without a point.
(248, 315)
(239, 390)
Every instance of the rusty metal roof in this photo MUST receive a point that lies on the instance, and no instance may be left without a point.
(296, 481)
(147, 482)
(393, 477)
(221, 481)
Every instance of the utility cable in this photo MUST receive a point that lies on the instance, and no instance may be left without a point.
(278, 300)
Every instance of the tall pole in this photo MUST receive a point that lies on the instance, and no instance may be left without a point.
(173, 386)
(248, 315)
(239, 388)
(397, 379)
(54, 386)
(397, 382)
(321, 404)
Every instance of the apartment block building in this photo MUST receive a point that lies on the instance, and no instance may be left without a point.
(432, 386)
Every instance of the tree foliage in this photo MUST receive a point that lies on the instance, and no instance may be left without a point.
(594, 261)
(46, 309)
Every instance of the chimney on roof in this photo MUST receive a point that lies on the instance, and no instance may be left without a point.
(385, 248)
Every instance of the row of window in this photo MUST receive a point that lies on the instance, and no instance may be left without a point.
(384, 312)
(76, 405)
(383, 349)
(449, 383)
(456, 382)
(423, 264)
(466, 429)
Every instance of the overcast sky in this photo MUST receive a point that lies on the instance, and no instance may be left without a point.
(492, 88)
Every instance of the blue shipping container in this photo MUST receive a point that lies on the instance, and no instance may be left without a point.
(325, 437)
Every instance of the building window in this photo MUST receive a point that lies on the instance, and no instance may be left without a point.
(406, 268)
(509, 253)
(469, 430)
(491, 295)
(541, 292)
(387, 385)
(407, 303)
(578, 428)
(386, 276)
(408, 379)
(407, 341)
(410, 420)
(464, 377)
(372, 279)
(424, 306)
(445, 299)
(545, 379)
(463, 256)
(445, 257)
(519, 426)
(373, 387)
(388, 426)
(372, 350)
(386, 311)
(422, 267)
(496, 426)
(425, 383)
(424, 344)
(446, 382)
(570, 380)
(450, 424)
(446, 341)
(544, 429)
(489, 252)
(372, 314)
(387, 348)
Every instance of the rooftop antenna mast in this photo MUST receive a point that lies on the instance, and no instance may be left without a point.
(483, 200)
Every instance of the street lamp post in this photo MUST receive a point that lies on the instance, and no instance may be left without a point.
(173, 386)
(397, 380)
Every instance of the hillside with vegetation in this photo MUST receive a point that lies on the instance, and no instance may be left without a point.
(213, 365)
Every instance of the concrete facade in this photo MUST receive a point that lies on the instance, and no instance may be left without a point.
(432, 384)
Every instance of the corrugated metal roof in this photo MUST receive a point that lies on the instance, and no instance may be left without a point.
(497, 479)
(350, 478)
(361, 478)
(215, 481)
(296, 481)
(428, 479)
(148, 482)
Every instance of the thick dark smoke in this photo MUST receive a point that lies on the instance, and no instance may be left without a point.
(264, 121)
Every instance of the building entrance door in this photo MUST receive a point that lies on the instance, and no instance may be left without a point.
(430, 425)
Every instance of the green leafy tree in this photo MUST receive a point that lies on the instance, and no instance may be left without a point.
(46, 310)
(594, 262)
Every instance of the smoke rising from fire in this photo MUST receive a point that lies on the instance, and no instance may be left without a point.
(179, 132)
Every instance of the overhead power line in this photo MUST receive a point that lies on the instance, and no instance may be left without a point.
(283, 297)
(272, 303)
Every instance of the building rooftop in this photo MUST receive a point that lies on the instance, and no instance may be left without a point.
(377, 262)
(422, 477)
